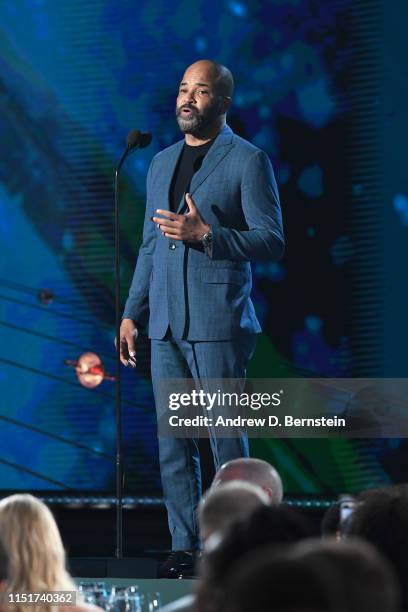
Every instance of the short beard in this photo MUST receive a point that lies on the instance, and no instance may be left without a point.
(199, 122)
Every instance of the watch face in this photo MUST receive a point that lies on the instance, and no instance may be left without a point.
(207, 239)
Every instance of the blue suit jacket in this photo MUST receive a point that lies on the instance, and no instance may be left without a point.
(201, 296)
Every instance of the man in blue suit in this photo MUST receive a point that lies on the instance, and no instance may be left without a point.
(212, 207)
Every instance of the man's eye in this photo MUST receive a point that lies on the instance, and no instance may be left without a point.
(203, 92)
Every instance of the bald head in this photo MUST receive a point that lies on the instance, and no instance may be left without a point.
(254, 471)
(232, 501)
(216, 74)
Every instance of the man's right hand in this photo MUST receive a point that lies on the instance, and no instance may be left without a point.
(128, 334)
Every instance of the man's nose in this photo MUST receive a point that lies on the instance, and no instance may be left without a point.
(190, 96)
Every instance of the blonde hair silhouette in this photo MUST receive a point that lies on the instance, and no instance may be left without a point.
(34, 549)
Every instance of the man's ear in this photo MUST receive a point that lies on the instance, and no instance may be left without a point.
(226, 103)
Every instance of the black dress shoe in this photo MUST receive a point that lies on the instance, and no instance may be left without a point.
(179, 564)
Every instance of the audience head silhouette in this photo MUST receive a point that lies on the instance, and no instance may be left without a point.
(255, 471)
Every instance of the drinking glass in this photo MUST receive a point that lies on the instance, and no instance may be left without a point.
(125, 599)
(152, 602)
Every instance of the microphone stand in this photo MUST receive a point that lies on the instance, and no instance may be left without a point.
(135, 140)
(118, 401)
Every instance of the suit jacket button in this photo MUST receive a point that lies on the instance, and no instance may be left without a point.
(172, 246)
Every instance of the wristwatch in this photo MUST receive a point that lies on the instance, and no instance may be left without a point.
(206, 240)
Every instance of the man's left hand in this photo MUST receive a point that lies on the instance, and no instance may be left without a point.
(189, 227)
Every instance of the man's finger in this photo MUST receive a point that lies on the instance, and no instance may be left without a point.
(191, 204)
(123, 356)
(130, 340)
(174, 231)
(173, 235)
(168, 214)
(166, 222)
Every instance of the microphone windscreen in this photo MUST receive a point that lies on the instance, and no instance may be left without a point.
(133, 138)
(145, 140)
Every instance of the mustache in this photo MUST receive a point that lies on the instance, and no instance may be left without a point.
(192, 108)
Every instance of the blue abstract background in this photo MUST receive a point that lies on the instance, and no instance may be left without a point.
(75, 77)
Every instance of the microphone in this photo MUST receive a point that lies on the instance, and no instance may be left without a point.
(138, 139)
(135, 139)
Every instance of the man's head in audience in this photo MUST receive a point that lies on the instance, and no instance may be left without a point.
(366, 578)
(329, 576)
(254, 471)
(276, 526)
(232, 501)
(330, 525)
(382, 519)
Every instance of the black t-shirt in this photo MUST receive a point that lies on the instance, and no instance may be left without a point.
(189, 163)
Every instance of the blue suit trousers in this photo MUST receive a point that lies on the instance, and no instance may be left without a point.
(179, 457)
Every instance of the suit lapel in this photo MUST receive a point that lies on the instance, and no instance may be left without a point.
(219, 149)
(169, 169)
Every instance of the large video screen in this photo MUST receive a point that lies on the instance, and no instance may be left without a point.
(76, 77)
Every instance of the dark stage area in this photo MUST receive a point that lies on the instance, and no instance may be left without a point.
(88, 532)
